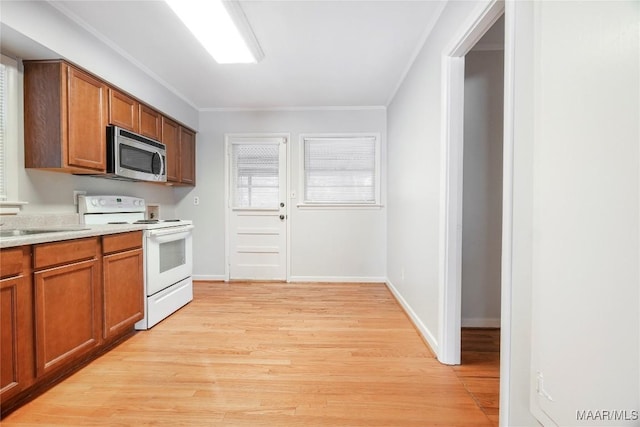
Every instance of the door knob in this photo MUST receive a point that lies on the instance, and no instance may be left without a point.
(282, 217)
(282, 204)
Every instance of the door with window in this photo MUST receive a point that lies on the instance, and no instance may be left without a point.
(257, 211)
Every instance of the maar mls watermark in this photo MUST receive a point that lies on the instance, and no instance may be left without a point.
(608, 415)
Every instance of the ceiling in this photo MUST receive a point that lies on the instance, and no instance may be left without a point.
(318, 53)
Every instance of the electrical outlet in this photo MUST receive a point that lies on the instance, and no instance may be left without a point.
(196, 200)
(77, 193)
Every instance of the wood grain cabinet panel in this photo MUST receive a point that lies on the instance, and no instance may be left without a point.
(122, 283)
(11, 262)
(16, 327)
(121, 242)
(171, 139)
(64, 252)
(65, 115)
(122, 291)
(150, 122)
(67, 314)
(124, 111)
(67, 302)
(187, 156)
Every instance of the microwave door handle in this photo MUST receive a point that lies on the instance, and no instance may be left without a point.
(162, 171)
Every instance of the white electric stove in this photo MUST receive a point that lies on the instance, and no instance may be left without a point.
(168, 252)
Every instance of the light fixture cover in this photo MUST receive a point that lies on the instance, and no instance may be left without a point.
(221, 27)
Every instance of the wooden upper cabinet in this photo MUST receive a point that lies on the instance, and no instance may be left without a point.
(150, 122)
(187, 156)
(124, 111)
(65, 115)
(171, 138)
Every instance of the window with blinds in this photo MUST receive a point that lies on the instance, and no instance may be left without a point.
(255, 175)
(341, 170)
(3, 129)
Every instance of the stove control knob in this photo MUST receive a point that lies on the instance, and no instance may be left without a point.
(94, 202)
(103, 202)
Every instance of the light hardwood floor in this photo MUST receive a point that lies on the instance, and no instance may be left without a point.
(480, 368)
(267, 354)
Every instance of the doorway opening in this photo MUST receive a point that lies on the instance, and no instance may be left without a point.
(486, 276)
(481, 243)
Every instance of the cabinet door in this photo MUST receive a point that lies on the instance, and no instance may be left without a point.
(124, 111)
(86, 121)
(67, 314)
(150, 122)
(187, 156)
(16, 336)
(123, 291)
(171, 138)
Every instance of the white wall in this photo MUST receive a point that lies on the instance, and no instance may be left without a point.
(586, 217)
(326, 244)
(34, 28)
(482, 188)
(518, 371)
(413, 124)
(414, 138)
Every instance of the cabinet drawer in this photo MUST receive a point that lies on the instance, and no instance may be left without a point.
(121, 242)
(65, 252)
(12, 261)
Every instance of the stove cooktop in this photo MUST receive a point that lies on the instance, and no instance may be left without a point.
(97, 210)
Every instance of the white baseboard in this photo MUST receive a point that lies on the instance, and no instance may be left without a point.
(209, 277)
(471, 322)
(332, 279)
(422, 328)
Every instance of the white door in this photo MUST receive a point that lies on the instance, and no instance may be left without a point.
(256, 171)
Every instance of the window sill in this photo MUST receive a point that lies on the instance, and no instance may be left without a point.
(321, 206)
(10, 208)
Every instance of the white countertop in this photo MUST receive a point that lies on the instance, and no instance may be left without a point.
(68, 232)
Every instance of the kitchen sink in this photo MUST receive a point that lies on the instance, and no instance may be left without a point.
(30, 231)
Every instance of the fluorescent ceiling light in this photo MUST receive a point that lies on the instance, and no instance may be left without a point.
(221, 27)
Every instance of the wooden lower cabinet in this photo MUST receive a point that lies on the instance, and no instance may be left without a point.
(16, 323)
(78, 300)
(122, 282)
(67, 314)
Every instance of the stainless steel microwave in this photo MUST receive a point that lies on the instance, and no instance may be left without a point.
(134, 157)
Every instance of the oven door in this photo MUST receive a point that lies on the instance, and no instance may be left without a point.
(168, 257)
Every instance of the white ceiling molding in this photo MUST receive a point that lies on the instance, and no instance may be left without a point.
(425, 35)
(317, 53)
(116, 48)
(306, 108)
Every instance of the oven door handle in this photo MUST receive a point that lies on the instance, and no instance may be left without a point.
(186, 229)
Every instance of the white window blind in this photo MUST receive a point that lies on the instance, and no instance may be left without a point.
(340, 170)
(255, 179)
(3, 130)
